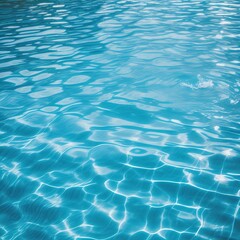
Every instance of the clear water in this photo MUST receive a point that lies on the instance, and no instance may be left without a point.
(119, 119)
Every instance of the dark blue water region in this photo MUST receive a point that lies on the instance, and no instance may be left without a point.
(119, 120)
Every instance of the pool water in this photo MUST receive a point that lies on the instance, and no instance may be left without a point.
(119, 119)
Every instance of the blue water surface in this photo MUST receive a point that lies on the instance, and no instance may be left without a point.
(119, 119)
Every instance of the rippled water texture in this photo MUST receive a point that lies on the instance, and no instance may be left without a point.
(119, 119)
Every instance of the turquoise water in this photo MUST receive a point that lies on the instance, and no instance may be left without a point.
(119, 119)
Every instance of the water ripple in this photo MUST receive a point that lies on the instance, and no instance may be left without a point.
(119, 120)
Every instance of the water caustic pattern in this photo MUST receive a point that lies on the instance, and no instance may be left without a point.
(119, 119)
